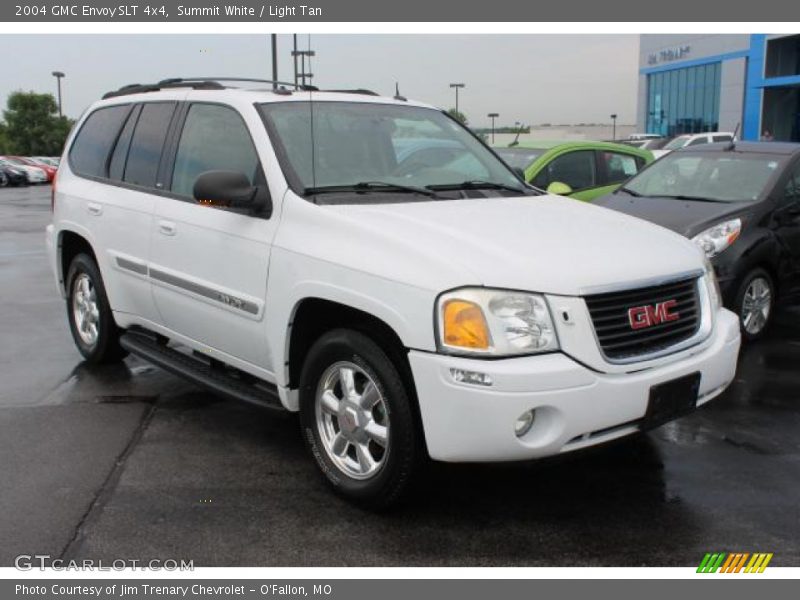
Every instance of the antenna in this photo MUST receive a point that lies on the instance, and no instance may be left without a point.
(732, 145)
(397, 95)
(516, 138)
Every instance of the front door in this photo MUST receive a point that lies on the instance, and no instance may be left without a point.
(209, 265)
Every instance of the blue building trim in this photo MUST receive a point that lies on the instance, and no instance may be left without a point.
(695, 62)
(754, 84)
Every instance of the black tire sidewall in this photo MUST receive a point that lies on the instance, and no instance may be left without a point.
(740, 292)
(389, 485)
(107, 347)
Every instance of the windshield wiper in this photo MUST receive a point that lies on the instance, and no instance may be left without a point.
(696, 198)
(475, 184)
(371, 186)
(629, 191)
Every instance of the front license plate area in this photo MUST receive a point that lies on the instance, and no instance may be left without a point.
(671, 399)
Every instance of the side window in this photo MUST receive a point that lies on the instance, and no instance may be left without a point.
(792, 193)
(576, 169)
(116, 165)
(619, 167)
(147, 143)
(89, 152)
(721, 138)
(698, 141)
(214, 137)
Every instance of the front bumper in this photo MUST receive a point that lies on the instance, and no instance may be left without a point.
(575, 406)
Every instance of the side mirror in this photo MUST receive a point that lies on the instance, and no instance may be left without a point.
(231, 189)
(559, 188)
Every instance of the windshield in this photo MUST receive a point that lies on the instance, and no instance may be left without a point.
(519, 158)
(718, 176)
(678, 143)
(344, 144)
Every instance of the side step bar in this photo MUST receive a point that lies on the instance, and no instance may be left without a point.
(147, 347)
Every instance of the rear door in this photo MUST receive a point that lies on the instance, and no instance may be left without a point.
(114, 148)
(209, 265)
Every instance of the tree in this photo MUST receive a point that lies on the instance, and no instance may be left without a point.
(32, 125)
(458, 116)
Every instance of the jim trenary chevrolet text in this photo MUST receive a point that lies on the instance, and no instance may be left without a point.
(368, 262)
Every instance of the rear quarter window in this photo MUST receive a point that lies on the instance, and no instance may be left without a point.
(89, 152)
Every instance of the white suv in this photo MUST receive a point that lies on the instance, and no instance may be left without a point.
(370, 263)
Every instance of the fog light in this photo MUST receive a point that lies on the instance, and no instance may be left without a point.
(470, 377)
(524, 423)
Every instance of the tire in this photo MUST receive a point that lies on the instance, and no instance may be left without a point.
(379, 400)
(755, 304)
(98, 338)
(4, 181)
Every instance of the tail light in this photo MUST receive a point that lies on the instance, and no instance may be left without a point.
(53, 193)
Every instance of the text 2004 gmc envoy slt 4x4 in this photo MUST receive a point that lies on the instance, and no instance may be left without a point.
(368, 262)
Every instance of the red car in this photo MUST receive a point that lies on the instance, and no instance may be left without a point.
(50, 170)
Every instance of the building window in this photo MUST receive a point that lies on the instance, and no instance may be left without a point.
(783, 56)
(684, 100)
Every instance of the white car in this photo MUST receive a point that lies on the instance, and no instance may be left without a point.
(694, 139)
(33, 174)
(274, 247)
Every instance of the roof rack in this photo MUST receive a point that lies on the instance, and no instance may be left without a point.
(198, 83)
(360, 91)
(213, 83)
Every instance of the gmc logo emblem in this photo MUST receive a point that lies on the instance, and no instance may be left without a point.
(647, 316)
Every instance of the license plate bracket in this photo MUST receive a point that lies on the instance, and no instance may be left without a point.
(671, 399)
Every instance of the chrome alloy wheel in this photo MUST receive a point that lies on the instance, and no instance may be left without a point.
(756, 305)
(352, 420)
(85, 310)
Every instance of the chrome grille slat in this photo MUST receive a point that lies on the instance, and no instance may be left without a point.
(618, 340)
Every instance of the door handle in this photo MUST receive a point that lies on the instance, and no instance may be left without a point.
(94, 209)
(166, 227)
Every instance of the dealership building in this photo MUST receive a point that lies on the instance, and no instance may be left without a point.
(696, 83)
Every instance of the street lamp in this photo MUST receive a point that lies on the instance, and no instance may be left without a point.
(614, 127)
(493, 116)
(58, 75)
(457, 86)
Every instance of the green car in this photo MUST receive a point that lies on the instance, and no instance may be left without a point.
(583, 170)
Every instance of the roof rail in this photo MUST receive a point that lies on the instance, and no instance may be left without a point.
(361, 91)
(297, 86)
(197, 83)
(141, 88)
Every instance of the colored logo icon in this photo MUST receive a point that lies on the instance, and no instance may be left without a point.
(735, 562)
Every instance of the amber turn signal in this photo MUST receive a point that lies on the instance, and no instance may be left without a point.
(465, 326)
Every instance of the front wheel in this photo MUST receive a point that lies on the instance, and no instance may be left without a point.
(754, 303)
(90, 320)
(357, 419)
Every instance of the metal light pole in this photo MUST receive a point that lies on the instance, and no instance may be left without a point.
(457, 86)
(614, 127)
(294, 56)
(58, 75)
(493, 116)
(274, 61)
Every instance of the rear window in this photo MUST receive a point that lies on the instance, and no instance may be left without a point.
(144, 154)
(89, 152)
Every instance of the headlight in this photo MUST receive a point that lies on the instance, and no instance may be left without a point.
(715, 239)
(713, 287)
(494, 322)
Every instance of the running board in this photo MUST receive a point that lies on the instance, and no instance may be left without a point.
(147, 347)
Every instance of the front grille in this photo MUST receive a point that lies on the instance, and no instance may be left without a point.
(619, 340)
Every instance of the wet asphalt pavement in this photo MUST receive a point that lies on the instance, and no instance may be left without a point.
(127, 461)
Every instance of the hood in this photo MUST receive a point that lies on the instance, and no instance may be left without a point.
(687, 217)
(547, 244)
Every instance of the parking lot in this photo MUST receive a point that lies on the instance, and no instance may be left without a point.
(130, 462)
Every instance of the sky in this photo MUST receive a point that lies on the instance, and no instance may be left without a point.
(531, 78)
